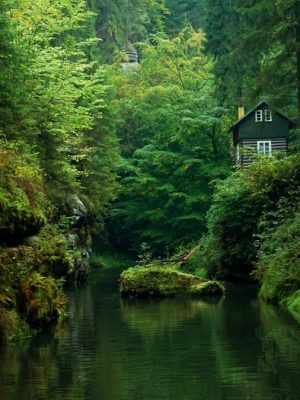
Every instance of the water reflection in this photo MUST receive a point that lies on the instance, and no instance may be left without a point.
(155, 316)
(157, 350)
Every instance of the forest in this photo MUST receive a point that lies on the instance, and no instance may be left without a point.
(137, 155)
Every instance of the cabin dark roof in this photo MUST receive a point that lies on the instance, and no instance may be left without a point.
(291, 123)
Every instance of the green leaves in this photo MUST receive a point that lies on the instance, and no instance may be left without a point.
(244, 206)
(56, 97)
(171, 135)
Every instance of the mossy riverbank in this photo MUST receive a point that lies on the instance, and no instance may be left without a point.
(33, 275)
(254, 230)
(41, 247)
(292, 304)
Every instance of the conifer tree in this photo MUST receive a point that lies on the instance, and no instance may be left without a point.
(256, 48)
(182, 13)
(224, 27)
(118, 21)
(272, 36)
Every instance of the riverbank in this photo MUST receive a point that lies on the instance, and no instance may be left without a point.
(254, 230)
(33, 275)
(42, 246)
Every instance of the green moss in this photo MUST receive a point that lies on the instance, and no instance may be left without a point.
(209, 288)
(164, 282)
(201, 272)
(22, 201)
(292, 304)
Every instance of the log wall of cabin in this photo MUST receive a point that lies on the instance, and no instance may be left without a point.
(277, 144)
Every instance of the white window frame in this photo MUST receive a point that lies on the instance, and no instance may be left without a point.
(268, 115)
(265, 143)
(259, 116)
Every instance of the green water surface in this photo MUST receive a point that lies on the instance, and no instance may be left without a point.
(109, 349)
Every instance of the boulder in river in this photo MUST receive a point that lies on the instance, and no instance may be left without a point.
(162, 281)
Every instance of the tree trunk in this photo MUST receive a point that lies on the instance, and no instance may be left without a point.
(214, 141)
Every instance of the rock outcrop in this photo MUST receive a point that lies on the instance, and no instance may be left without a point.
(40, 249)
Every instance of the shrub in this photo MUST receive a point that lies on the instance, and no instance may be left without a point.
(12, 327)
(242, 206)
(30, 291)
(40, 299)
(278, 266)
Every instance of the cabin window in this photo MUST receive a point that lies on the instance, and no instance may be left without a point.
(264, 148)
(258, 115)
(268, 115)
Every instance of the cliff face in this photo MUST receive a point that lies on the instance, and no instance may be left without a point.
(41, 248)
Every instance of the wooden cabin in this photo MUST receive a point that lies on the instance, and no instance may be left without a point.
(260, 131)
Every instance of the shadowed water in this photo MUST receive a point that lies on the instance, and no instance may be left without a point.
(110, 349)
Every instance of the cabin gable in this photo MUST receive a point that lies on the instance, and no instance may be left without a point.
(250, 128)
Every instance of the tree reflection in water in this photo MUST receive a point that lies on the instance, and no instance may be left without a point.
(111, 349)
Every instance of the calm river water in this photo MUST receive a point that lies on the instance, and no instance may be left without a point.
(111, 349)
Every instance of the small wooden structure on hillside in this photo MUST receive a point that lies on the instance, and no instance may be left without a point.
(260, 131)
(132, 62)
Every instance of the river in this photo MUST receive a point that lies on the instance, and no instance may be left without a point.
(109, 349)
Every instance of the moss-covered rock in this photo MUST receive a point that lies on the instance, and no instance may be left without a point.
(165, 282)
(208, 288)
(22, 201)
(42, 243)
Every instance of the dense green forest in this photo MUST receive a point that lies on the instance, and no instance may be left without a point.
(92, 146)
